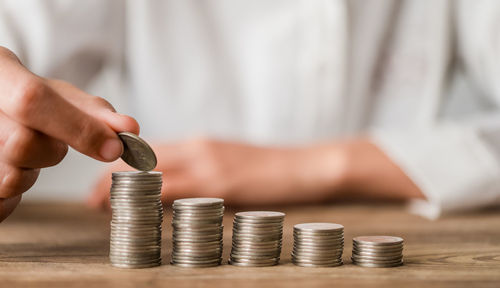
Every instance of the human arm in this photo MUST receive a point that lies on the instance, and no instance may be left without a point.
(245, 174)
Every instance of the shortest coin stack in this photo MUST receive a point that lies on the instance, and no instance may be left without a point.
(197, 232)
(257, 238)
(318, 244)
(137, 214)
(377, 251)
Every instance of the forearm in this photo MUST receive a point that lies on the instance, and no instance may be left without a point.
(355, 169)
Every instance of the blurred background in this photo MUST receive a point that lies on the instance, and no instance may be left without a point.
(279, 73)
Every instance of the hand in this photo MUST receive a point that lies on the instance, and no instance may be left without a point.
(39, 118)
(249, 175)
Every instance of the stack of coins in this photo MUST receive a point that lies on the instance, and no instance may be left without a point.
(197, 232)
(377, 251)
(318, 244)
(137, 214)
(257, 238)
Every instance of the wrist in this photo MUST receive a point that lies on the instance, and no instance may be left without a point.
(370, 173)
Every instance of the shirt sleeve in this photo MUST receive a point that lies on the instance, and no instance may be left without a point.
(457, 165)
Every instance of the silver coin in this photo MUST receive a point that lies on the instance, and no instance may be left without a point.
(378, 240)
(270, 230)
(255, 250)
(134, 261)
(377, 259)
(189, 265)
(256, 245)
(195, 261)
(185, 246)
(198, 239)
(127, 242)
(271, 262)
(316, 256)
(256, 261)
(135, 249)
(133, 206)
(140, 177)
(257, 236)
(235, 263)
(301, 264)
(198, 202)
(376, 254)
(198, 222)
(318, 227)
(136, 183)
(377, 250)
(317, 236)
(135, 221)
(135, 228)
(145, 215)
(375, 265)
(316, 252)
(317, 261)
(200, 259)
(319, 242)
(250, 254)
(136, 210)
(383, 261)
(134, 196)
(196, 251)
(258, 222)
(146, 233)
(136, 174)
(199, 253)
(260, 214)
(135, 266)
(132, 191)
(136, 152)
(135, 256)
(200, 230)
(125, 203)
(194, 225)
(200, 244)
(194, 215)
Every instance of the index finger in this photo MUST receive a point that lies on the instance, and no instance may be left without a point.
(27, 99)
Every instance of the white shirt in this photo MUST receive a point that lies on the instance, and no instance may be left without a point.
(421, 77)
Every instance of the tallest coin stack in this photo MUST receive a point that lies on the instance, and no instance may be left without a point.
(137, 214)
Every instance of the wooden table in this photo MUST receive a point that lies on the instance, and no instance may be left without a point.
(66, 245)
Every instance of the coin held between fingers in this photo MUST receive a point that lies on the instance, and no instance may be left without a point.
(136, 152)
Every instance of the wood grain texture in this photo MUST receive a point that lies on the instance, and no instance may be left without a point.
(66, 245)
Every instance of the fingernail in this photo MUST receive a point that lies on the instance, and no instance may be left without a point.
(111, 149)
